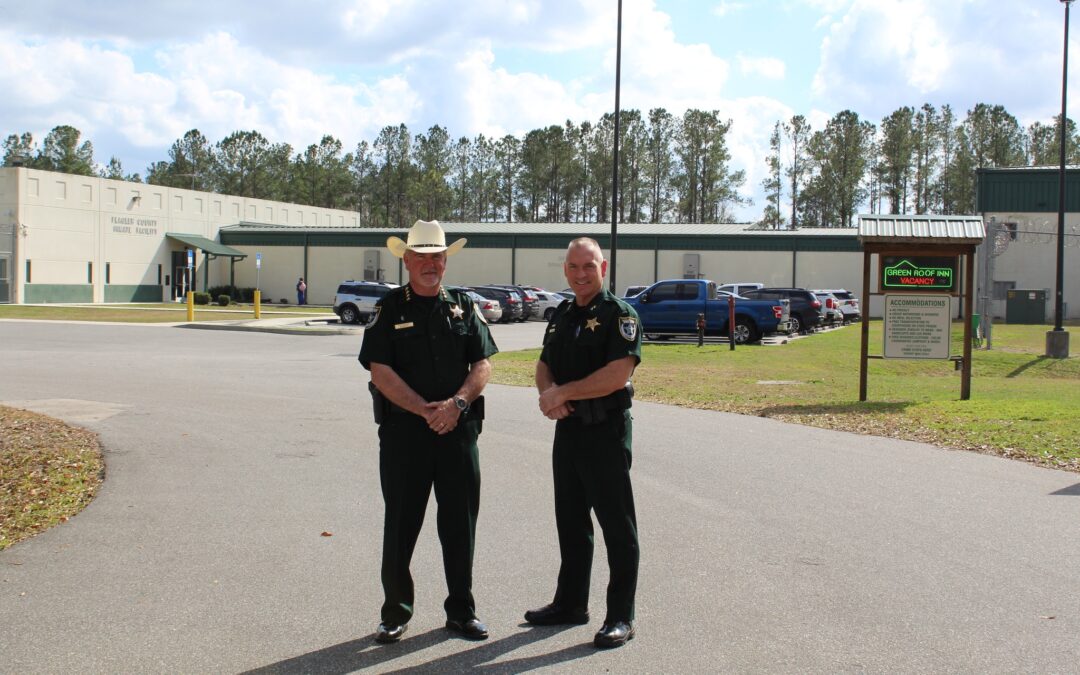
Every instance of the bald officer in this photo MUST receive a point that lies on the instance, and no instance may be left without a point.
(427, 350)
(591, 347)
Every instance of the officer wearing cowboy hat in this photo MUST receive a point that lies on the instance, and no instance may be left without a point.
(427, 349)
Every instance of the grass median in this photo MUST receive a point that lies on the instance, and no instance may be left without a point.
(49, 471)
(163, 312)
(1023, 404)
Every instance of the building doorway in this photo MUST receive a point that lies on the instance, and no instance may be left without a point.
(5, 278)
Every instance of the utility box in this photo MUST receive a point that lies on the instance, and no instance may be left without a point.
(1025, 306)
(691, 265)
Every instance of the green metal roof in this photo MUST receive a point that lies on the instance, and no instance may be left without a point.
(206, 245)
(1027, 189)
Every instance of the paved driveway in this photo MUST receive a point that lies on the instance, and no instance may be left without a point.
(765, 547)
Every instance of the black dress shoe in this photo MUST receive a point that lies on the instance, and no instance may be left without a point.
(390, 632)
(553, 615)
(614, 634)
(473, 629)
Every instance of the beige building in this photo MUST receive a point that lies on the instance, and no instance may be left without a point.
(66, 238)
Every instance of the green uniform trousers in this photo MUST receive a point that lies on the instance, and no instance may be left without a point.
(591, 466)
(412, 459)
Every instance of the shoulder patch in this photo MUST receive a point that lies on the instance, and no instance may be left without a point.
(628, 328)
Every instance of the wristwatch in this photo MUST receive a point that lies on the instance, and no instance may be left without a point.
(461, 403)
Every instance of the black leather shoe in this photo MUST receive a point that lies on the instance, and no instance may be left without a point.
(387, 633)
(614, 634)
(473, 629)
(553, 615)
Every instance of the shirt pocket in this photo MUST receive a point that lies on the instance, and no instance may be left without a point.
(409, 345)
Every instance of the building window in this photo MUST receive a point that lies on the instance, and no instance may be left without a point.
(1011, 229)
(108, 272)
(159, 275)
(27, 275)
(89, 272)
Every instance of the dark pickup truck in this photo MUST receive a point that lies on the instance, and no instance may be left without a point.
(671, 307)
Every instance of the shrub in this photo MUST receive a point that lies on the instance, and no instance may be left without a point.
(223, 300)
(284, 301)
(202, 298)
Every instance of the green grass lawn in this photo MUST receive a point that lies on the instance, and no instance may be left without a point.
(1022, 404)
(163, 312)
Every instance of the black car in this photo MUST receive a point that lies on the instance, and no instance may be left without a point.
(530, 301)
(805, 306)
(513, 307)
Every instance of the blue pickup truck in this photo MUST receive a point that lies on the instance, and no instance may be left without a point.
(671, 307)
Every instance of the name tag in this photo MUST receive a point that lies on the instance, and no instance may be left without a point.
(399, 326)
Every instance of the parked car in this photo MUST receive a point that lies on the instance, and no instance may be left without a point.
(530, 303)
(355, 301)
(849, 304)
(548, 301)
(489, 307)
(830, 307)
(513, 308)
(672, 307)
(805, 307)
(739, 287)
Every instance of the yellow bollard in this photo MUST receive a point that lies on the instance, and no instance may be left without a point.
(258, 301)
(190, 306)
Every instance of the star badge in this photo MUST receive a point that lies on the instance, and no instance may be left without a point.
(456, 311)
(592, 324)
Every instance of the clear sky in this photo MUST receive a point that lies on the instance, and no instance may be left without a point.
(134, 76)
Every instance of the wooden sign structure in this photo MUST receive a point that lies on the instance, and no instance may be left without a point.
(919, 262)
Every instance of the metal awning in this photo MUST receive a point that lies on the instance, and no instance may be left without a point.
(207, 245)
(921, 229)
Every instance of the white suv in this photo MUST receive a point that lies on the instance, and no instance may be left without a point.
(355, 301)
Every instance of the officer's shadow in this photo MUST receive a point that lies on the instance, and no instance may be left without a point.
(363, 653)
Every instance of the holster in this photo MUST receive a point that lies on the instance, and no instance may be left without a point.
(379, 403)
(595, 410)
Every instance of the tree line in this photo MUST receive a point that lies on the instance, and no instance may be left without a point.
(672, 169)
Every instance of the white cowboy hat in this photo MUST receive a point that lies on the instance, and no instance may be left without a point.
(424, 237)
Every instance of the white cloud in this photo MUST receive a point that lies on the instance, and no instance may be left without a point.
(880, 55)
(765, 66)
(726, 7)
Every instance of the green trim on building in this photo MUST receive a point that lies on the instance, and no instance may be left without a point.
(45, 293)
(1026, 190)
(559, 241)
(133, 293)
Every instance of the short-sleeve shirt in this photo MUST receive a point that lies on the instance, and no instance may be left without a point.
(430, 342)
(581, 340)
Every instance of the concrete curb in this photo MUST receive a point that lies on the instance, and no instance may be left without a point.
(304, 329)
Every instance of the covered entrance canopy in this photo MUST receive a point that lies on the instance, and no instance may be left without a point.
(207, 246)
(211, 249)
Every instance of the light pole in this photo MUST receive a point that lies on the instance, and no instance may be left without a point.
(615, 161)
(1057, 340)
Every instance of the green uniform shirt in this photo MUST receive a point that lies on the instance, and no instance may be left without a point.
(429, 342)
(582, 340)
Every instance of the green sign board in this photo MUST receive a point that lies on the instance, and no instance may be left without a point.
(918, 273)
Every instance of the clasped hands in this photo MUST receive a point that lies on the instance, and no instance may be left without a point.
(442, 417)
(554, 404)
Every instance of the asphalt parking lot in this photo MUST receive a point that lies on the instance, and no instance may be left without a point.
(231, 455)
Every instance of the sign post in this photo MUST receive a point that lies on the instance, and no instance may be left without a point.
(190, 292)
(258, 293)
